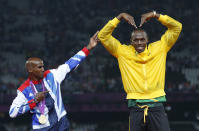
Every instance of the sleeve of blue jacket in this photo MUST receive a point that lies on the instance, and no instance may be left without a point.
(20, 105)
(61, 72)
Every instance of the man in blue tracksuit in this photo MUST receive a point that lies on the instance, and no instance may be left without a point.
(41, 95)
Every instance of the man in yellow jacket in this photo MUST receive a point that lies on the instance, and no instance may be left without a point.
(142, 69)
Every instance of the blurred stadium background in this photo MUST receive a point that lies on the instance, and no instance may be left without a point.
(54, 30)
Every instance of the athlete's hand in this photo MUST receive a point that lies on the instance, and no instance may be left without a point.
(93, 41)
(128, 18)
(40, 96)
(147, 16)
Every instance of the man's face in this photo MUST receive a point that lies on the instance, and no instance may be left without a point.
(38, 69)
(139, 40)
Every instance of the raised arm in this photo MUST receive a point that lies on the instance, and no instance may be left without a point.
(73, 62)
(169, 38)
(105, 34)
(20, 105)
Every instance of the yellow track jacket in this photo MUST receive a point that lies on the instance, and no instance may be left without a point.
(143, 74)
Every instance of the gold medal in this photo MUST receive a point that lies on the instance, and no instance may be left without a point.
(42, 119)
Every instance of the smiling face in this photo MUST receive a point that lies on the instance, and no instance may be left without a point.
(35, 68)
(139, 40)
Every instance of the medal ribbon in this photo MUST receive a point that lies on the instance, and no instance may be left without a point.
(42, 103)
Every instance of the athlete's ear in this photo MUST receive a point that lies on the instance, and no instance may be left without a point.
(29, 69)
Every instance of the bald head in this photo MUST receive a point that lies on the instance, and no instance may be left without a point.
(35, 68)
(32, 62)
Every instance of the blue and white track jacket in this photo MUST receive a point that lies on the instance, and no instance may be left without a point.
(54, 107)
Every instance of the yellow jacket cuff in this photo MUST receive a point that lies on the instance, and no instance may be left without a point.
(162, 18)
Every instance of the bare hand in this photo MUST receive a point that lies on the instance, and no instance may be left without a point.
(128, 18)
(146, 17)
(40, 96)
(93, 41)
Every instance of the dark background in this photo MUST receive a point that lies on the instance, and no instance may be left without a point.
(55, 30)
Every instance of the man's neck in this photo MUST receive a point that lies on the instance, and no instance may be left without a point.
(33, 78)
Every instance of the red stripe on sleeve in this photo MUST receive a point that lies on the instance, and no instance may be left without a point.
(86, 51)
(32, 104)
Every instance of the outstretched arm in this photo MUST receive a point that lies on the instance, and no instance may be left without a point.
(169, 38)
(105, 34)
(73, 62)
